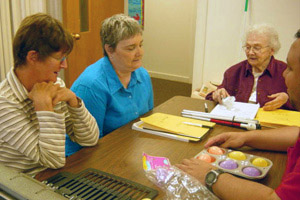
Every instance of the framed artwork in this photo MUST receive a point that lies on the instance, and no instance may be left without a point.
(136, 10)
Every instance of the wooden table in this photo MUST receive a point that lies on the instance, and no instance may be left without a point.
(120, 152)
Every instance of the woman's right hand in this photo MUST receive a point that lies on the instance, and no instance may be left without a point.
(42, 95)
(228, 139)
(219, 94)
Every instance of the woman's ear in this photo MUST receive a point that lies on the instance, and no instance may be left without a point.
(32, 56)
(272, 52)
(109, 50)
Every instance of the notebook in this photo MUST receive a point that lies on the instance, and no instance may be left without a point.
(172, 126)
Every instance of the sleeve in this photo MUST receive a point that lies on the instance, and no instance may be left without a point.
(39, 136)
(223, 85)
(95, 102)
(82, 126)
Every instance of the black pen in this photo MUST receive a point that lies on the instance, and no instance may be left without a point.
(194, 124)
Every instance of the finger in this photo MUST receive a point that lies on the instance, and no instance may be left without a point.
(270, 107)
(215, 95)
(230, 143)
(220, 99)
(214, 141)
(224, 93)
(272, 96)
(186, 161)
(55, 101)
(182, 167)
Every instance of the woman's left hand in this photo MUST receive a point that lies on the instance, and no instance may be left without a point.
(278, 100)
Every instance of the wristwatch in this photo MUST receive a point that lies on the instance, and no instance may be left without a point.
(212, 177)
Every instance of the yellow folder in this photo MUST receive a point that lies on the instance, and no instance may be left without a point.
(279, 116)
(175, 124)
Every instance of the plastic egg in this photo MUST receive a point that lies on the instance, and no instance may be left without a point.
(206, 158)
(228, 164)
(251, 171)
(260, 162)
(237, 155)
(215, 150)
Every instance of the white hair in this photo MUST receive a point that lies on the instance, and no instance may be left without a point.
(268, 31)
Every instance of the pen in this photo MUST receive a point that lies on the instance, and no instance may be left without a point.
(205, 107)
(194, 124)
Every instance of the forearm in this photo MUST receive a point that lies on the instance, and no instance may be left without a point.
(274, 139)
(233, 188)
(82, 126)
(50, 151)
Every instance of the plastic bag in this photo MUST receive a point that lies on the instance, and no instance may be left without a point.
(178, 184)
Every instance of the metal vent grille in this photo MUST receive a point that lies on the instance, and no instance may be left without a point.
(93, 184)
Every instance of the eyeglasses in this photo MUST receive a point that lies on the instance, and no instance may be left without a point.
(255, 49)
(60, 59)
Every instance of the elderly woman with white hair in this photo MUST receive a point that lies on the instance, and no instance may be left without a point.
(259, 78)
(116, 89)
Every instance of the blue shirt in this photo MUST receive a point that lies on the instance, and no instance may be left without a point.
(108, 101)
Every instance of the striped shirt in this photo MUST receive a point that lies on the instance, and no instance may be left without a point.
(31, 141)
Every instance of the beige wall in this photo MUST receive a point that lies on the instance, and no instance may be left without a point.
(219, 29)
(169, 38)
(197, 40)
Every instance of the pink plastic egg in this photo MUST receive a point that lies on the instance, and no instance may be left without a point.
(206, 158)
(215, 150)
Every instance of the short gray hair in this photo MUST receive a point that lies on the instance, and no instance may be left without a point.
(268, 31)
(117, 28)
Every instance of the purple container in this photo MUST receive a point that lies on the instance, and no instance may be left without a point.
(228, 164)
(251, 171)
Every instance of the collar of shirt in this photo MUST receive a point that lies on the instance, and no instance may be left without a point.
(17, 87)
(269, 70)
(113, 80)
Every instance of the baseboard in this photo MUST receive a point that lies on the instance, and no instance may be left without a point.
(171, 77)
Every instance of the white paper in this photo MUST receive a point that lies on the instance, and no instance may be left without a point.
(238, 109)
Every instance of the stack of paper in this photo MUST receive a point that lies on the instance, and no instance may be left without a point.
(173, 127)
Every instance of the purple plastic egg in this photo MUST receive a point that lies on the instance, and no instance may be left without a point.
(228, 164)
(251, 171)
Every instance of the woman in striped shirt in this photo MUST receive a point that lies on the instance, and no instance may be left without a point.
(36, 109)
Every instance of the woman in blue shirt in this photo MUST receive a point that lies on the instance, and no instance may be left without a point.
(115, 89)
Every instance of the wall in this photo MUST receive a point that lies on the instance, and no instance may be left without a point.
(220, 26)
(169, 38)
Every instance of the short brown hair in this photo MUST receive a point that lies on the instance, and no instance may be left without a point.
(297, 35)
(43, 34)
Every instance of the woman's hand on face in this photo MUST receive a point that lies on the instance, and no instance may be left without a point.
(196, 168)
(228, 139)
(278, 100)
(42, 95)
(219, 94)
